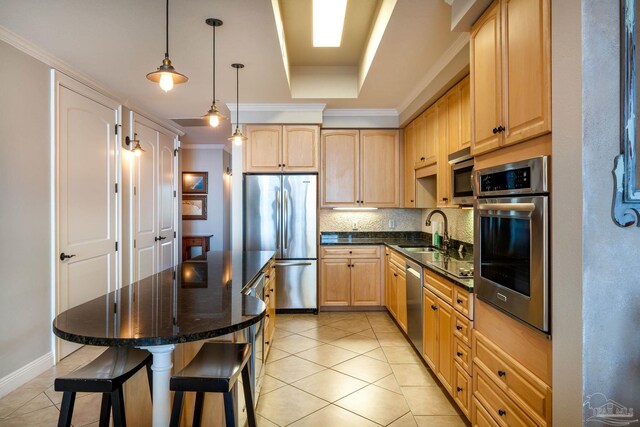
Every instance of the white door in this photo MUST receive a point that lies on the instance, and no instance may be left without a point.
(154, 200)
(86, 197)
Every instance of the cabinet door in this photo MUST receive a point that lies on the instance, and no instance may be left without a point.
(336, 282)
(486, 81)
(402, 299)
(527, 69)
(465, 113)
(409, 171)
(340, 171)
(392, 293)
(420, 143)
(431, 129)
(453, 120)
(263, 149)
(444, 369)
(300, 148)
(380, 168)
(365, 282)
(462, 390)
(443, 167)
(430, 329)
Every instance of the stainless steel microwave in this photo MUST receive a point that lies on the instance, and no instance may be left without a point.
(461, 178)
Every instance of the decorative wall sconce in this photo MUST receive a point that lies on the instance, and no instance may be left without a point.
(137, 149)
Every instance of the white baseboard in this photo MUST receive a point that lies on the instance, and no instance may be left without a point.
(25, 374)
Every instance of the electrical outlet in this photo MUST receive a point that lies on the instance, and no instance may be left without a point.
(392, 224)
(354, 224)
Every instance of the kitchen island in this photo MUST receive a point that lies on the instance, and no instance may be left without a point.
(194, 301)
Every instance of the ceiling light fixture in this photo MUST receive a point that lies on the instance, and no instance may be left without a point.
(213, 115)
(137, 149)
(328, 22)
(166, 75)
(237, 138)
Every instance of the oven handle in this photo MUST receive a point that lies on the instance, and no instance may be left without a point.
(519, 207)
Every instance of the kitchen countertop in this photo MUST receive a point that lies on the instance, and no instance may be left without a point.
(193, 301)
(395, 241)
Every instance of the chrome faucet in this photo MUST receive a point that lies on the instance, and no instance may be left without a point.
(445, 238)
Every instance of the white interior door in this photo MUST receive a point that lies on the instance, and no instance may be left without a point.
(154, 199)
(86, 198)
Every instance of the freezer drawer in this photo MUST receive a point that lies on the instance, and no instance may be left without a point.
(297, 282)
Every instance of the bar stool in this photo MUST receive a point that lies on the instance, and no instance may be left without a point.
(105, 375)
(215, 369)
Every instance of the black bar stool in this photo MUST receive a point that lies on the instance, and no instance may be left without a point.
(105, 375)
(215, 369)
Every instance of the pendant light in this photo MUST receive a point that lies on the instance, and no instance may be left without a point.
(237, 138)
(213, 115)
(166, 75)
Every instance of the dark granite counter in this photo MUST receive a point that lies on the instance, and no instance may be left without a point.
(396, 241)
(195, 300)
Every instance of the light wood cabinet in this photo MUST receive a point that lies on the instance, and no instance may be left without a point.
(426, 145)
(270, 301)
(396, 285)
(360, 168)
(281, 148)
(401, 285)
(409, 171)
(462, 389)
(510, 74)
(444, 366)
(430, 329)
(350, 280)
(480, 417)
(465, 113)
(444, 168)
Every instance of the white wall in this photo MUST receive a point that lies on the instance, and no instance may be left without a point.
(211, 161)
(25, 210)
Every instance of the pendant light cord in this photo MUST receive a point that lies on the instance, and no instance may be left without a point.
(237, 98)
(214, 64)
(166, 54)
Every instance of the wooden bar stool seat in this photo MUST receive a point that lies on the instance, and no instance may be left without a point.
(215, 369)
(106, 374)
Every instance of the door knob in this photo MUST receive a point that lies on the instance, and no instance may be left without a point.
(64, 256)
(159, 238)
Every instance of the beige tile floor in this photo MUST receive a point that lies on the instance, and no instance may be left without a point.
(349, 369)
(333, 369)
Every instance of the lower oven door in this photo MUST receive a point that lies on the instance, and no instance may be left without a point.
(511, 256)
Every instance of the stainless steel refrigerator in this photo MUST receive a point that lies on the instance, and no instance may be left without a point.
(280, 214)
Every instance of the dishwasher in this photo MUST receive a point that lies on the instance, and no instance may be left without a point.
(414, 304)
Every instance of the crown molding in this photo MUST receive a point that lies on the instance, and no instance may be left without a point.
(361, 112)
(63, 67)
(435, 69)
(284, 107)
(203, 146)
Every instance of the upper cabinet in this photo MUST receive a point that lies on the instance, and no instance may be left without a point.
(510, 74)
(360, 168)
(281, 148)
(409, 171)
(426, 143)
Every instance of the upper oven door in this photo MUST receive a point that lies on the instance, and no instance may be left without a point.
(462, 183)
(511, 256)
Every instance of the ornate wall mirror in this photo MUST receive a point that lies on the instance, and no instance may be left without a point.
(626, 171)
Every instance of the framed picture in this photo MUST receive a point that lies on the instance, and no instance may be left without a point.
(195, 182)
(194, 207)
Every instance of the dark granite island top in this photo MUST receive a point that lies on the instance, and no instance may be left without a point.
(195, 300)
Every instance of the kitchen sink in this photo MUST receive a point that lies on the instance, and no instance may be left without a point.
(421, 249)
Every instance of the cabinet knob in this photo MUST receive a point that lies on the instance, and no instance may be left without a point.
(411, 201)
(395, 274)
(434, 307)
(494, 130)
(502, 412)
(267, 342)
(267, 315)
(501, 373)
(350, 252)
(271, 289)
(459, 301)
(284, 166)
(458, 327)
(459, 354)
(501, 128)
(459, 388)
(422, 158)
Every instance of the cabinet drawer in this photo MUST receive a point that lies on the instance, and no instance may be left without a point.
(399, 261)
(515, 380)
(463, 301)
(499, 405)
(480, 417)
(462, 328)
(350, 252)
(462, 389)
(439, 286)
(462, 354)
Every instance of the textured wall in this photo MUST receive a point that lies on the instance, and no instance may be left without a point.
(405, 220)
(460, 223)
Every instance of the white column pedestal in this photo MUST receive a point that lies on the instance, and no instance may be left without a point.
(161, 375)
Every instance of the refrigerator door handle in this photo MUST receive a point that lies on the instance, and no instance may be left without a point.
(285, 219)
(278, 214)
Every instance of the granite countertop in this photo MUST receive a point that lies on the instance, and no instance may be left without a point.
(193, 301)
(396, 241)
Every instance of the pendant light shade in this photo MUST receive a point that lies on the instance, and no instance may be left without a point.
(213, 115)
(166, 75)
(237, 138)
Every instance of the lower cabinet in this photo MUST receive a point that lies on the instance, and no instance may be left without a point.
(396, 288)
(350, 282)
(270, 301)
(438, 337)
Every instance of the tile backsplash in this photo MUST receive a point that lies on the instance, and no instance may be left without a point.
(460, 221)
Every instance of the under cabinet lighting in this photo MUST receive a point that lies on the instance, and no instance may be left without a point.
(355, 209)
(328, 22)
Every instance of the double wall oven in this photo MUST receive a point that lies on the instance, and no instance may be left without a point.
(511, 229)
